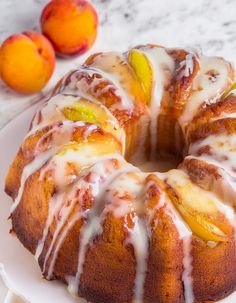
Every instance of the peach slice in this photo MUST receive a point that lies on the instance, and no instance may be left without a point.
(94, 113)
(27, 62)
(116, 68)
(143, 69)
(198, 208)
(233, 87)
(81, 111)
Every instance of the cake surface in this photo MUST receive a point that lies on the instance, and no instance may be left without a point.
(96, 221)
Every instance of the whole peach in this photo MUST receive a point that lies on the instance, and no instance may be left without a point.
(71, 26)
(27, 61)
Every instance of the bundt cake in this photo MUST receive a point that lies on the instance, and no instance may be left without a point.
(95, 220)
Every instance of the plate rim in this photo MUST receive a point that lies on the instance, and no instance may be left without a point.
(3, 273)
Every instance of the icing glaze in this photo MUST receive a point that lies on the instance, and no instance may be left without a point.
(126, 197)
(185, 235)
(126, 101)
(208, 86)
(163, 68)
(61, 134)
(102, 173)
(53, 111)
(188, 65)
(139, 240)
(93, 227)
(224, 187)
(221, 148)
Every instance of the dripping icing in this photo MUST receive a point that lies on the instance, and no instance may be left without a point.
(163, 68)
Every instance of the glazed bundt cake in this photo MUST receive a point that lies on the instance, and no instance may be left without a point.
(95, 220)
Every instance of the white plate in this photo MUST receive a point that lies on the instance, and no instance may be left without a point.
(17, 266)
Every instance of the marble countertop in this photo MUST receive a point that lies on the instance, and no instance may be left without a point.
(205, 24)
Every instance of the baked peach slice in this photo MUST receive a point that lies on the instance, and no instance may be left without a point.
(116, 69)
(200, 209)
(126, 95)
(143, 69)
(233, 87)
(79, 109)
(95, 113)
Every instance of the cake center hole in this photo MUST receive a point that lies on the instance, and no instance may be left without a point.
(158, 165)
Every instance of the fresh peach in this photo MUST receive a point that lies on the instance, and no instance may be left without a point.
(27, 61)
(71, 26)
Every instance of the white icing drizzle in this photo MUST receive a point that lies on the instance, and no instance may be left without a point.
(61, 134)
(163, 68)
(52, 112)
(212, 244)
(29, 169)
(83, 156)
(81, 86)
(55, 206)
(89, 130)
(59, 243)
(222, 149)
(93, 227)
(187, 273)
(161, 203)
(208, 85)
(127, 101)
(40, 245)
(188, 65)
(222, 116)
(233, 91)
(102, 173)
(139, 239)
(225, 187)
(120, 205)
(185, 235)
(229, 213)
(174, 177)
(56, 203)
(137, 235)
(72, 93)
